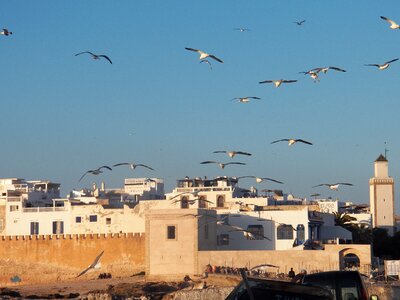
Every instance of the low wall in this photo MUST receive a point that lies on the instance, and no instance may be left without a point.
(310, 260)
(49, 258)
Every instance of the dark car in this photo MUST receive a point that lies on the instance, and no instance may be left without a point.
(344, 285)
(272, 289)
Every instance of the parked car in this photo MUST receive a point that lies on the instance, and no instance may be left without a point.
(344, 285)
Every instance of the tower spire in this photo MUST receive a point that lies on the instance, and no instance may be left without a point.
(386, 151)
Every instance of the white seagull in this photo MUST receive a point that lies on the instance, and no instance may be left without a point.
(204, 55)
(133, 165)
(313, 74)
(333, 186)
(393, 24)
(5, 32)
(94, 265)
(261, 179)
(95, 171)
(245, 99)
(383, 66)
(233, 153)
(248, 234)
(278, 82)
(96, 56)
(191, 201)
(242, 29)
(292, 141)
(325, 69)
(221, 165)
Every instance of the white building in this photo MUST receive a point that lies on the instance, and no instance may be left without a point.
(381, 193)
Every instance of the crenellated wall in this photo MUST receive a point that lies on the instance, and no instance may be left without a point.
(49, 258)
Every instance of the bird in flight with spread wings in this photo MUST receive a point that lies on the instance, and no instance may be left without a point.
(133, 165)
(95, 56)
(204, 55)
(292, 141)
(95, 171)
(333, 186)
(245, 99)
(384, 65)
(233, 153)
(94, 265)
(278, 82)
(221, 165)
(5, 32)
(261, 179)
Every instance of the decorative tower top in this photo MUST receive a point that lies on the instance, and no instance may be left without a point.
(381, 167)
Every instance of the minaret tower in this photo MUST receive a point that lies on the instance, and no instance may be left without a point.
(381, 195)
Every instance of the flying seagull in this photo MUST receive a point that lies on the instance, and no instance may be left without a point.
(261, 179)
(207, 62)
(299, 22)
(133, 165)
(248, 234)
(245, 99)
(313, 74)
(393, 24)
(5, 32)
(242, 29)
(333, 186)
(278, 82)
(292, 141)
(95, 56)
(192, 201)
(95, 171)
(221, 165)
(263, 266)
(204, 55)
(94, 265)
(383, 66)
(233, 153)
(325, 69)
(194, 193)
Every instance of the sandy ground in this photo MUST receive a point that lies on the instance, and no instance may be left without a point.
(129, 286)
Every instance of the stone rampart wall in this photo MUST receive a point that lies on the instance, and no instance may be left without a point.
(49, 258)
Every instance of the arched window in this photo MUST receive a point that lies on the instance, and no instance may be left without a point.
(220, 201)
(184, 202)
(300, 234)
(284, 232)
(202, 202)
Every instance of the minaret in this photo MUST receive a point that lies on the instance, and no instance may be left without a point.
(381, 195)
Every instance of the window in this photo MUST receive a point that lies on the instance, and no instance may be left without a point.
(108, 221)
(300, 234)
(202, 202)
(223, 239)
(284, 232)
(78, 219)
(220, 201)
(257, 231)
(14, 207)
(58, 227)
(184, 202)
(34, 228)
(93, 218)
(171, 232)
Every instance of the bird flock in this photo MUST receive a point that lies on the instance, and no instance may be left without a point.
(207, 58)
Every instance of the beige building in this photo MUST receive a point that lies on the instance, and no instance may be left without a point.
(381, 191)
(187, 239)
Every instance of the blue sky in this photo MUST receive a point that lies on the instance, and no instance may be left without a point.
(64, 114)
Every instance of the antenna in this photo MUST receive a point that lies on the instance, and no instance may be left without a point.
(386, 151)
